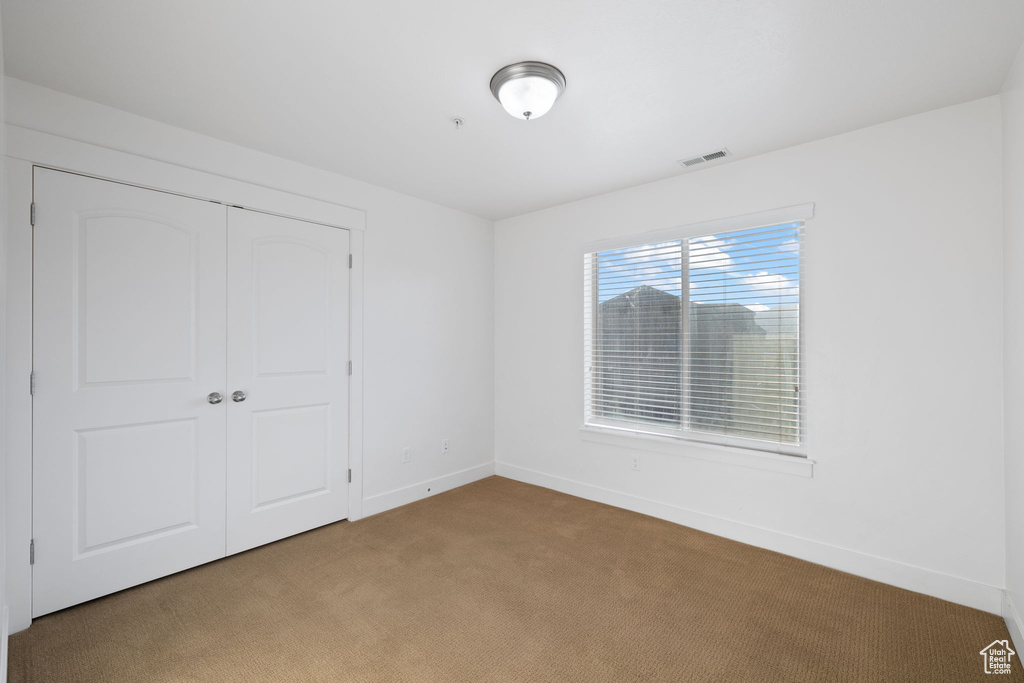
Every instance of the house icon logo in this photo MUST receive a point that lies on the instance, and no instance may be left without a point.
(997, 657)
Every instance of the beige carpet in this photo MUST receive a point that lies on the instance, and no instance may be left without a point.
(501, 581)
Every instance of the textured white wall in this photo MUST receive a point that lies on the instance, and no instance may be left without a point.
(903, 330)
(3, 378)
(1013, 326)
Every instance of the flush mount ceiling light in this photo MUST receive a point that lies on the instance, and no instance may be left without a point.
(527, 90)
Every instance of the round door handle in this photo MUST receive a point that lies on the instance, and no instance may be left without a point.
(214, 398)
(238, 396)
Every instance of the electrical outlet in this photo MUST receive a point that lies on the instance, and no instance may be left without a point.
(406, 454)
(444, 446)
(636, 462)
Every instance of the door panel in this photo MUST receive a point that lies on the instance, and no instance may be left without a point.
(288, 352)
(129, 338)
(291, 297)
(291, 454)
(137, 316)
(149, 469)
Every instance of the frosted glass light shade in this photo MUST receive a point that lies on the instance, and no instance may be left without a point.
(527, 90)
(528, 98)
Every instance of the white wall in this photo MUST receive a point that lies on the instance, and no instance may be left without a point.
(902, 305)
(428, 295)
(3, 378)
(429, 301)
(1013, 346)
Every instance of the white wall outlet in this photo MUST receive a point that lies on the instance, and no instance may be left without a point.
(406, 454)
(444, 446)
(636, 462)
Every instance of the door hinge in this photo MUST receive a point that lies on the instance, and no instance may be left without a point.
(349, 256)
(32, 551)
(32, 383)
(32, 214)
(350, 476)
(350, 367)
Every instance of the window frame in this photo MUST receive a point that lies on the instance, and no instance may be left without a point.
(659, 437)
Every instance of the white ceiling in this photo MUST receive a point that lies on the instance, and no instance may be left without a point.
(366, 89)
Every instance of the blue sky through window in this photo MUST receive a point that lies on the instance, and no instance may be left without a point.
(758, 268)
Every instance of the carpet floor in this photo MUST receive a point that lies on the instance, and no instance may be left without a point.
(502, 581)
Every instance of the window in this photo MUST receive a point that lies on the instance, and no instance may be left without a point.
(698, 336)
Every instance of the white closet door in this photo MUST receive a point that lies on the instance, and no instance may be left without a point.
(129, 340)
(288, 341)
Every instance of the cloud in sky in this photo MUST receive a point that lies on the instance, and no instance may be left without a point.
(706, 252)
(772, 284)
(657, 265)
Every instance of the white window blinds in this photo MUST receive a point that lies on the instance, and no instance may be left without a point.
(698, 338)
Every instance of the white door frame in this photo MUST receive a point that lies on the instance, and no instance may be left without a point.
(27, 148)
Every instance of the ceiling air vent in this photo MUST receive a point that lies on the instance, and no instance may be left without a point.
(704, 158)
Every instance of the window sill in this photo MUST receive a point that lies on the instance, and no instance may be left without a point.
(730, 455)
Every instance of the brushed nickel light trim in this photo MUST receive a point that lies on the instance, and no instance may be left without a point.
(527, 70)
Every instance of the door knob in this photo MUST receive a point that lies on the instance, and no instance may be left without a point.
(238, 396)
(215, 398)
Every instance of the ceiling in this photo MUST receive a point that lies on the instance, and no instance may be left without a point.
(367, 89)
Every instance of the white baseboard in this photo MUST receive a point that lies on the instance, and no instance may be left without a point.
(953, 588)
(425, 489)
(1014, 624)
(3, 646)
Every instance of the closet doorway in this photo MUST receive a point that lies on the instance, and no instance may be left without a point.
(191, 370)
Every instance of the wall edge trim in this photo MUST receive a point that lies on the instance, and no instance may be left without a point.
(425, 489)
(892, 572)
